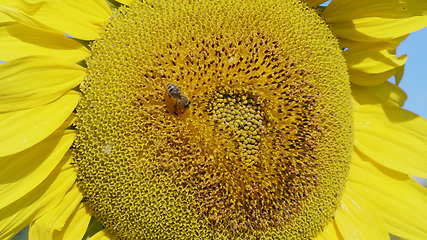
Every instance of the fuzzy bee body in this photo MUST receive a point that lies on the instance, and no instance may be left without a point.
(176, 101)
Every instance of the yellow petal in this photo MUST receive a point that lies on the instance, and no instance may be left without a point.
(34, 81)
(77, 225)
(366, 79)
(373, 60)
(4, 18)
(48, 225)
(22, 172)
(330, 232)
(356, 219)
(393, 137)
(314, 3)
(49, 193)
(400, 201)
(101, 235)
(17, 41)
(126, 2)
(386, 93)
(373, 64)
(375, 20)
(390, 44)
(372, 29)
(23, 18)
(25, 128)
(82, 19)
(399, 74)
(346, 10)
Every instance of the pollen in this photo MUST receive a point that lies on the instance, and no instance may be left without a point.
(214, 120)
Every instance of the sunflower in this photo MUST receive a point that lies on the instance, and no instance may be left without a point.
(209, 119)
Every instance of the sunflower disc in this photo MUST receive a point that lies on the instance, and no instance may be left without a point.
(214, 120)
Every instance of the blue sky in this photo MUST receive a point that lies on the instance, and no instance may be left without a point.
(414, 80)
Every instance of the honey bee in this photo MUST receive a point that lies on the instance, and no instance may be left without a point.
(176, 101)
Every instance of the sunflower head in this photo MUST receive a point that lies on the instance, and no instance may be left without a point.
(214, 119)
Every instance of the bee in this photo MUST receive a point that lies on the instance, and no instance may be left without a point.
(176, 101)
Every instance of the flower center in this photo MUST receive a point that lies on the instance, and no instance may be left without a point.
(214, 119)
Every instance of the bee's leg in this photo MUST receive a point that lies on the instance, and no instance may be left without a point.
(176, 110)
